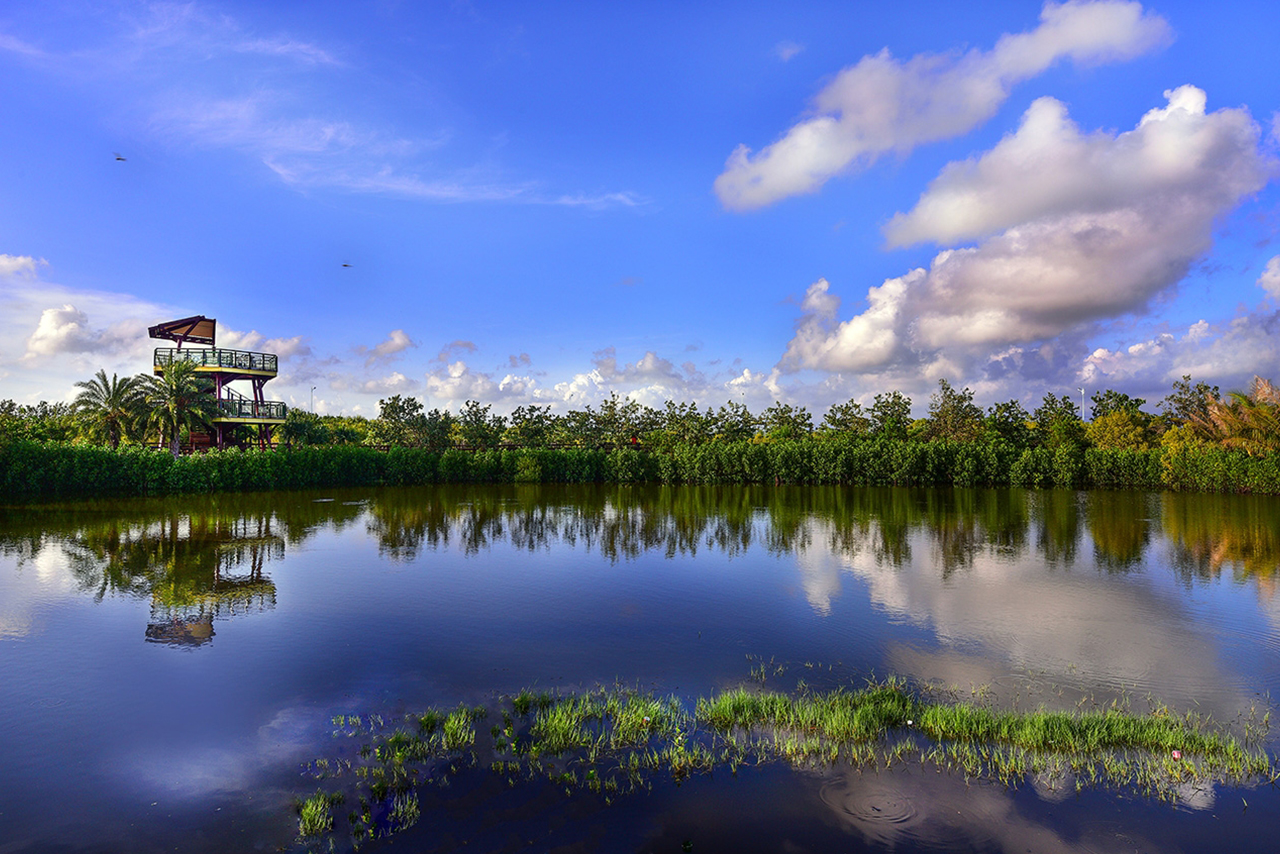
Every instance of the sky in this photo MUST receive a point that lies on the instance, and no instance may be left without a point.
(550, 203)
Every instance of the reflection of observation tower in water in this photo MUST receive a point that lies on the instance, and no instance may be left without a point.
(221, 575)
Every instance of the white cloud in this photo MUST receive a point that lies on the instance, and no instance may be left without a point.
(787, 50)
(397, 342)
(393, 383)
(882, 104)
(1227, 354)
(1085, 253)
(1269, 281)
(287, 48)
(1049, 168)
(19, 265)
(16, 45)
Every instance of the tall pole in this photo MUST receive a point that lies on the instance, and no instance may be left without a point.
(1081, 404)
(313, 400)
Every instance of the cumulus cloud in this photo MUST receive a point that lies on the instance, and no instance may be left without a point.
(393, 383)
(1075, 251)
(397, 342)
(649, 367)
(1048, 167)
(1226, 353)
(19, 265)
(254, 340)
(883, 104)
(1269, 281)
(66, 330)
(457, 383)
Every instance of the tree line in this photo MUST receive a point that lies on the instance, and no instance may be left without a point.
(164, 409)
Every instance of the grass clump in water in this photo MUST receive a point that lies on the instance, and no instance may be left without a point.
(614, 741)
(315, 816)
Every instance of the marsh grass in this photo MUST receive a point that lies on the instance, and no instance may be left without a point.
(315, 816)
(614, 741)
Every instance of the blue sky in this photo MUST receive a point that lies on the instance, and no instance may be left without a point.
(547, 203)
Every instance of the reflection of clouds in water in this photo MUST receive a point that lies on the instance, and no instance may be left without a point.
(912, 807)
(819, 577)
(31, 584)
(1096, 632)
(191, 772)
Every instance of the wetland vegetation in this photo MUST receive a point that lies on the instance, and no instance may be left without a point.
(614, 741)
(1201, 441)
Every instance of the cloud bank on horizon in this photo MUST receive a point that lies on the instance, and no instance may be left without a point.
(1121, 251)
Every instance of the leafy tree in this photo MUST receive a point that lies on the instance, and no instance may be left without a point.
(1188, 402)
(891, 415)
(530, 426)
(1008, 421)
(953, 414)
(1058, 421)
(1109, 401)
(44, 422)
(847, 417)
(111, 408)
(303, 428)
(622, 419)
(400, 422)
(1120, 428)
(734, 422)
(684, 423)
(179, 399)
(784, 421)
(476, 429)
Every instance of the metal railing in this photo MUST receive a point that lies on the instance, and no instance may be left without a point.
(268, 410)
(213, 357)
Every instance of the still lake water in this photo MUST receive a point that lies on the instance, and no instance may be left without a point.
(168, 666)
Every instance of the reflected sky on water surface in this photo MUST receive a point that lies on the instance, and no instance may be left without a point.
(169, 664)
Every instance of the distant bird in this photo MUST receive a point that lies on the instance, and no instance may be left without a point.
(119, 156)
(345, 264)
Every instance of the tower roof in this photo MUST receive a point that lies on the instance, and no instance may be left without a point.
(194, 330)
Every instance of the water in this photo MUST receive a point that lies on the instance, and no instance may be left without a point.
(168, 666)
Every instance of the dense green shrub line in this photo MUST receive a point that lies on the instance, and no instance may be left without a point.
(47, 469)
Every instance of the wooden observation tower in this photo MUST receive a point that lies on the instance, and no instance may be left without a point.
(224, 367)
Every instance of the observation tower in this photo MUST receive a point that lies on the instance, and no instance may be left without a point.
(224, 367)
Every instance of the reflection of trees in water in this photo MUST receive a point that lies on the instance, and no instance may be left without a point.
(620, 522)
(623, 522)
(1120, 525)
(1056, 513)
(197, 558)
(1208, 532)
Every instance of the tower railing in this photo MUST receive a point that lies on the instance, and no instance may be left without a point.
(215, 357)
(267, 410)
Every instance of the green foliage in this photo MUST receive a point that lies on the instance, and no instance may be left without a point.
(784, 421)
(1110, 402)
(1009, 421)
(178, 401)
(530, 427)
(890, 415)
(302, 428)
(1187, 402)
(847, 417)
(1119, 429)
(953, 415)
(44, 422)
(112, 409)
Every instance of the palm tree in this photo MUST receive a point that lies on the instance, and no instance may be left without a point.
(179, 398)
(112, 407)
(1249, 422)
